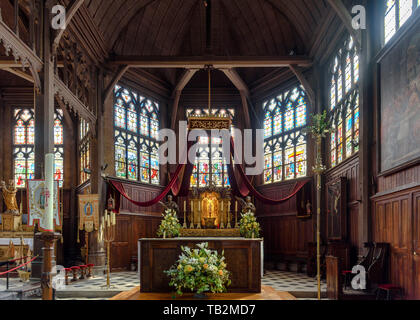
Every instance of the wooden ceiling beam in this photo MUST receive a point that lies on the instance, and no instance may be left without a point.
(216, 62)
(70, 12)
(305, 83)
(243, 89)
(345, 16)
(109, 89)
(176, 95)
(20, 74)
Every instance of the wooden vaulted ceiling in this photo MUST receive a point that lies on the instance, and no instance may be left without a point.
(179, 28)
(239, 27)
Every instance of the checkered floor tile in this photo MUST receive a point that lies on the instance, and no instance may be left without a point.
(120, 281)
(124, 281)
(291, 281)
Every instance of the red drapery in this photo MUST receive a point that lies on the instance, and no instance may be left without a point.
(180, 184)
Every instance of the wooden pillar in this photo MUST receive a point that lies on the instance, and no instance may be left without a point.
(2, 134)
(369, 36)
(44, 124)
(48, 239)
(96, 246)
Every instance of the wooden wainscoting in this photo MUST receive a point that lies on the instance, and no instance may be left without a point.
(130, 228)
(396, 220)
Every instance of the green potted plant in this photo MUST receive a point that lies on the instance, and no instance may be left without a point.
(170, 226)
(199, 270)
(248, 226)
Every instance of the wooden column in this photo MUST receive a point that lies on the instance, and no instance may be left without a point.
(2, 134)
(369, 36)
(44, 124)
(96, 247)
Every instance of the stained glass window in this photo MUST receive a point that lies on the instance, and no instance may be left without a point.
(84, 149)
(285, 150)
(59, 147)
(210, 164)
(136, 121)
(397, 13)
(344, 103)
(24, 146)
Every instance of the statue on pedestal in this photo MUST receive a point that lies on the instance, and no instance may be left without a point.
(247, 205)
(9, 195)
(170, 204)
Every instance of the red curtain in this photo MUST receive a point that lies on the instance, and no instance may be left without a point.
(180, 184)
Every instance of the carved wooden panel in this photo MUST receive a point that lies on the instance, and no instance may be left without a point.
(129, 229)
(337, 210)
(395, 219)
(243, 259)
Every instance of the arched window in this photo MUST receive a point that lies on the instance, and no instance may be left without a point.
(210, 165)
(59, 147)
(344, 103)
(285, 143)
(136, 122)
(397, 13)
(84, 150)
(24, 146)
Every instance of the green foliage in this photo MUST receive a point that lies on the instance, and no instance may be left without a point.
(249, 226)
(321, 126)
(199, 270)
(170, 225)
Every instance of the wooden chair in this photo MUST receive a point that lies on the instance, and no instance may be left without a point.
(390, 291)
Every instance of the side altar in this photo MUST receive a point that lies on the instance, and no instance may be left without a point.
(243, 259)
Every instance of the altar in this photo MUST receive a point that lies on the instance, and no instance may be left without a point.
(244, 259)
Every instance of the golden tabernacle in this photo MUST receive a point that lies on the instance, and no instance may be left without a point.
(211, 214)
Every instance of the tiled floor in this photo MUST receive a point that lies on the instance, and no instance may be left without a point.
(292, 282)
(298, 284)
(120, 281)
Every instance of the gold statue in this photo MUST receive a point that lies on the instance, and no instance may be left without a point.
(247, 205)
(9, 195)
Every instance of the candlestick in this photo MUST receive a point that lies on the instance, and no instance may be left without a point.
(222, 226)
(236, 215)
(199, 215)
(229, 226)
(49, 193)
(185, 215)
(192, 216)
(114, 220)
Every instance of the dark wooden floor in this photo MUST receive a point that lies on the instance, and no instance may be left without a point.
(267, 293)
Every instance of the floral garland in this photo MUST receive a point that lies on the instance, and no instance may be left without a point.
(248, 225)
(199, 270)
(170, 226)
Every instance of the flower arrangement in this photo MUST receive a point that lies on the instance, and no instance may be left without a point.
(170, 226)
(199, 270)
(321, 126)
(248, 225)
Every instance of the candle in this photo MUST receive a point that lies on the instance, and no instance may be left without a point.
(49, 193)
(185, 206)
(236, 206)
(199, 206)
(108, 218)
(114, 222)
